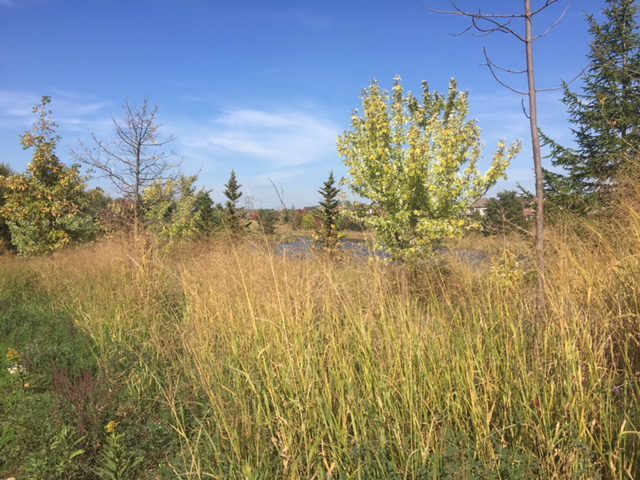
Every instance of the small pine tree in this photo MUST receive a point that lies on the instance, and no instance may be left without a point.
(605, 116)
(233, 194)
(268, 219)
(504, 214)
(327, 236)
(48, 207)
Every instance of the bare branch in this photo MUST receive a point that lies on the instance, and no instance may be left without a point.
(498, 67)
(546, 5)
(555, 89)
(497, 22)
(502, 27)
(459, 34)
(491, 66)
(555, 23)
(524, 110)
(457, 11)
(278, 194)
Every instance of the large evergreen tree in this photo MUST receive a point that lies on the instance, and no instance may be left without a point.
(606, 115)
(233, 194)
(327, 235)
(47, 207)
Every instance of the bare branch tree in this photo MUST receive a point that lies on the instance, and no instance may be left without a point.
(280, 196)
(537, 155)
(134, 157)
(485, 24)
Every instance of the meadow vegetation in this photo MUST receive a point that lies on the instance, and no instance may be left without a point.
(224, 360)
(161, 335)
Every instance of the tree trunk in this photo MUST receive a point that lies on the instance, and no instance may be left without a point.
(537, 158)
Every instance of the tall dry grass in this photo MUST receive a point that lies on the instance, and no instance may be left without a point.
(274, 367)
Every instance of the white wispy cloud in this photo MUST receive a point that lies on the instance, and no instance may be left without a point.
(21, 3)
(72, 111)
(312, 19)
(276, 176)
(277, 138)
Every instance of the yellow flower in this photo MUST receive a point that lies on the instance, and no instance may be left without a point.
(111, 427)
(13, 355)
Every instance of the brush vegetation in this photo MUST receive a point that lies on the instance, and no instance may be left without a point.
(224, 360)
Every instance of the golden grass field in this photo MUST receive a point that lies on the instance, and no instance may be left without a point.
(272, 367)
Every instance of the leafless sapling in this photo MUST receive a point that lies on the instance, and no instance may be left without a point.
(134, 157)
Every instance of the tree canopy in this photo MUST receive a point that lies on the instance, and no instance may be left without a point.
(416, 160)
(176, 210)
(47, 207)
(605, 115)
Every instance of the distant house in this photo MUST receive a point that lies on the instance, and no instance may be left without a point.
(307, 209)
(480, 207)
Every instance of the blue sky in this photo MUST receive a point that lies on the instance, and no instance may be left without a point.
(264, 87)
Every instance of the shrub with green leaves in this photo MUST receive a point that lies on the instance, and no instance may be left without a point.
(117, 461)
(47, 207)
(504, 214)
(175, 210)
(417, 162)
(267, 220)
(5, 234)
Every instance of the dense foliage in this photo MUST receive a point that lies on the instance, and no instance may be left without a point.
(5, 233)
(605, 115)
(268, 220)
(175, 210)
(417, 162)
(505, 214)
(47, 207)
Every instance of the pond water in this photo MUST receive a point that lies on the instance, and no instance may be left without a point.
(303, 247)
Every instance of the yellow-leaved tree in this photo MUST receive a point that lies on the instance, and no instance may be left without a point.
(416, 161)
(48, 207)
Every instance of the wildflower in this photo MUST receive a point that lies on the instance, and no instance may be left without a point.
(13, 355)
(111, 427)
(16, 369)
